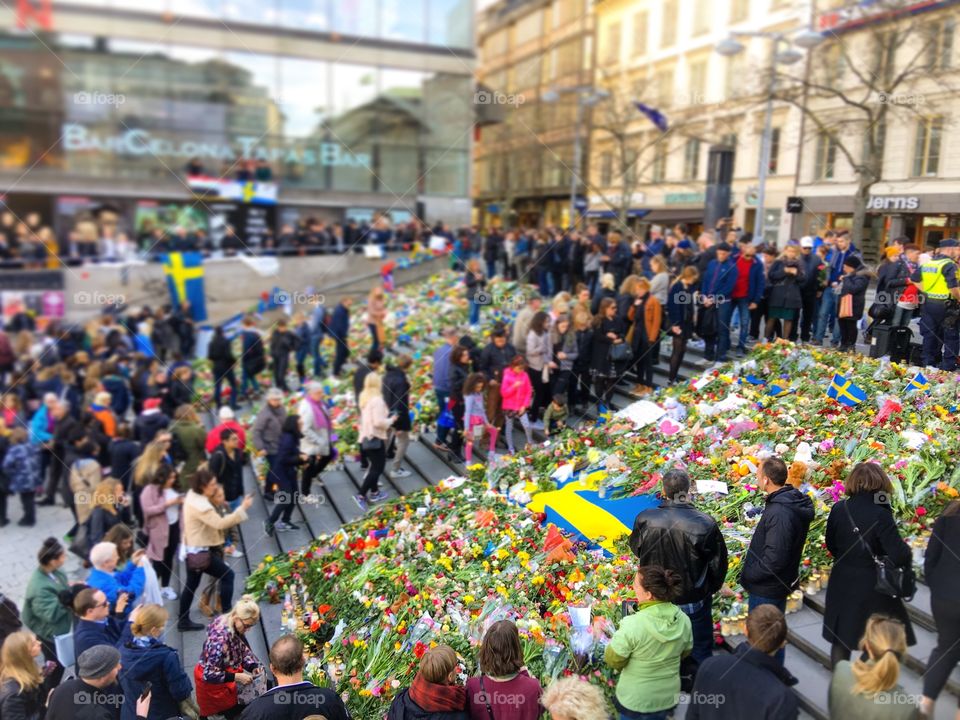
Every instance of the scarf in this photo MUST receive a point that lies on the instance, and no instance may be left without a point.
(320, 418)
(437, 698)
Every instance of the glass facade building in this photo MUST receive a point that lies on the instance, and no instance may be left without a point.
(347, 102)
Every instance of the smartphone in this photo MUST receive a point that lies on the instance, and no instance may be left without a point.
(147, 688)
(628, 607)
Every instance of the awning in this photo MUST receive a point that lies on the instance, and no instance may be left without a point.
(666, 215)
(613, 214)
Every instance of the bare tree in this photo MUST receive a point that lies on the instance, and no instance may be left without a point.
(637, 144)
(864, 76)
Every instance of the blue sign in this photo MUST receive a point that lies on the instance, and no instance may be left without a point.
(493, 209)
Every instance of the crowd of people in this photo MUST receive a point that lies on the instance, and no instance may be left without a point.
(105, 419)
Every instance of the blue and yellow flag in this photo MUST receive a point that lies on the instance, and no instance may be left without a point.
(778, 390)
(845, 392)
(919, 382)
(754, 380)
(184, 273)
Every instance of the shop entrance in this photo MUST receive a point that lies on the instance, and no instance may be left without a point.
(936, 228)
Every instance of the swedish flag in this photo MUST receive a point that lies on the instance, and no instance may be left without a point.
(777, 390)
(845, 392)
(754, 380)
(184, 273)
(919, 382)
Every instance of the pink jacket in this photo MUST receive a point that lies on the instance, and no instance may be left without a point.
(515, 390)
(156, 524)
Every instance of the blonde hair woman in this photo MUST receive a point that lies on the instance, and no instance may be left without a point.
(574, 699)
(608, 289)
(868, 689)
(146, 658)
(226, 649)
(23, 690)
(108, 496)
(375, 423)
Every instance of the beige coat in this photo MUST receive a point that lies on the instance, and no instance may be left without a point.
(202, 524)
(373, 420)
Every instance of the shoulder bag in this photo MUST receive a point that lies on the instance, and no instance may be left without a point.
(892, 580)
(621, 353)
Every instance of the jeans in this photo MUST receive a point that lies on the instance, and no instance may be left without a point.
(341, 353)
(743, 311)
(319, 364)
(701, 621)
(378, 461)
(827, 316)
(780, 604)
(474, 312)
(373, 335)
(218, 570)
(248, 379)
(231, 379)
(442, 399)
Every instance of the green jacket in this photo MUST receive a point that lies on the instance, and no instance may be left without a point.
(42, 611)
(895, 704)
(192, 439)
(647, 648)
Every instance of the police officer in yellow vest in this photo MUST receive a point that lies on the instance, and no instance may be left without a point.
(940, 311)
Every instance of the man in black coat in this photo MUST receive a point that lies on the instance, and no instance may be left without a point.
(293, 698)
(396, 394)
(772, 564)
(226, 463)
(678, 537)
(497, 354)
(749, 683)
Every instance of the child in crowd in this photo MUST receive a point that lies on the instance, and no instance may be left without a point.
(555, 417)
(475, 420)
(516, 392)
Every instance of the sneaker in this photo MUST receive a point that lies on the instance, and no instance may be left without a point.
(442, 447)
(233, 551)
(46, 502)
(287, 527)
(268, 527)
(23, 522)
(741, 351)
(378, 496)
(169, 593)
(401, 473)
(361, 502)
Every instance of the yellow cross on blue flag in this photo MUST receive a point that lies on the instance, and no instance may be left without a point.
(777, 390)
(184, 273)
(845, 392)
(919, 382)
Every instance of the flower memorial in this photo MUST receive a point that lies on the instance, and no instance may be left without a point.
(439, 565)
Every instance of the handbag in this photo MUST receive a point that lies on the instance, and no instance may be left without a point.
(892, 580)
(371, 444)
(446, 419)
(845, 309)
(214, 698)
(198, 562)
(621, 353)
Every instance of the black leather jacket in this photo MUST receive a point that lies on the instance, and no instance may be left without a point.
(679, 537)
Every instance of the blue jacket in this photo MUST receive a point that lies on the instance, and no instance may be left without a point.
(441, 368)
(38, 427)
(719, 279)
(87, 633)
(119, 393)
(339, 326)
(287, 462)
(129, 579)
(160, 665)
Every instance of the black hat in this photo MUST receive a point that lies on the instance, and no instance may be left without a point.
(723, 247)
(96, 662)
(949, 242)
(853, 261)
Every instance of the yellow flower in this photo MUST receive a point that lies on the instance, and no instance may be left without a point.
(268, 558)
(429, 546)
(468, 599)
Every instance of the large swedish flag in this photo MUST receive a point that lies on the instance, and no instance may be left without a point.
(184, 273)
(919, 382)
(845, 392)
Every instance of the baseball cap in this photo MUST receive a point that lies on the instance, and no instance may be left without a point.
(685, 245)
(806, 241)
(950, 242)
(723, 247)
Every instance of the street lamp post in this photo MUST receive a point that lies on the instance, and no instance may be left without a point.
(587, 96)
(729, 47)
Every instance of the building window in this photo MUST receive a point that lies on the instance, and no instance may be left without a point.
(527, 28)
(606, 169)
(734, 81)
(698, 82)
(730, 140)
(691, 159)
(701, 18)
(664, 82)
(774, 151)
(630, 171)
(640, 33)
(826, 160)
(926, 158)
(668, 24)
(659, 169)
(611, 53)
(739, 10)
(940, 44)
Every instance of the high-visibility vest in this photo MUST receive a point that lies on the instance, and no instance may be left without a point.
(933, 280)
